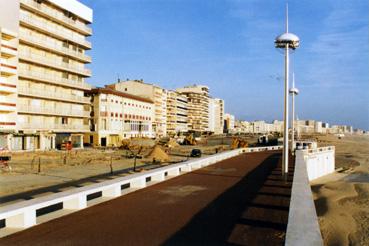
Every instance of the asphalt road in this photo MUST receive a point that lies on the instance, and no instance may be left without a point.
(239, 201)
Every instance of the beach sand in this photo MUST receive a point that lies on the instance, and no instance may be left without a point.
(342, 198)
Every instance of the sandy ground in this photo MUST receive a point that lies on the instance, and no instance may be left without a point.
(342, 198)
(60, 167)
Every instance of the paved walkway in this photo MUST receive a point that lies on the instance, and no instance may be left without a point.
(239, 201)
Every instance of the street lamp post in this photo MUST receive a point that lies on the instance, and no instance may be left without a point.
(287, 41)
(294, 92)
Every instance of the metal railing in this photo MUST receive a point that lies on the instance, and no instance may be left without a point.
(58, 30)
(53, 79)
(46, 126)
(55, 63)
(47, 44)
(51, 110)
(52, 94)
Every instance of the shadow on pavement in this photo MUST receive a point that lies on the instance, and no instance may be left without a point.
(252, 212)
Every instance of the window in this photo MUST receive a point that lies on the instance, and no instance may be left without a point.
(65, 75)
(103, 124)
(64, 120)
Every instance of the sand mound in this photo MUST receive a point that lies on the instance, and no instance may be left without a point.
(158, 154)
(172, 143)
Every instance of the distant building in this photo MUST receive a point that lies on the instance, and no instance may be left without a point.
(177, 113)
(198, 107)
(216, 115)
(117, 116)
(318, 127)
(153, 92)
(229, 121)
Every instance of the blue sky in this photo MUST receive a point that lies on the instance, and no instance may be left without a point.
(228, 45)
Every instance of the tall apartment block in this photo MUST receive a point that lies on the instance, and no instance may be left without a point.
(177, 113)
(153, 92)
(51, 105)
(229, 121)
(118, 115)
(198, 106)
(216, 115)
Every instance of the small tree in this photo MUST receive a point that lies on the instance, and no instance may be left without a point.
(134, 151)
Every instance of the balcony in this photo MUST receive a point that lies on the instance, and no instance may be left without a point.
(44, 61)
(53, 95)
(7, 106)
(54, 127)
(48, 78)
(8, 49)
(58, 32)
(57, 15)
(7, 87)
(27, 38)
(7, 126)
(7, 69)
(31, 109)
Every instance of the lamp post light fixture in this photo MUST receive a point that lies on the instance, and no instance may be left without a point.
(293, 92)
(287, 41)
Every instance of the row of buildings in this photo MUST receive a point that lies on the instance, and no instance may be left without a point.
(44, 97)
(134, 108)
(301, 127)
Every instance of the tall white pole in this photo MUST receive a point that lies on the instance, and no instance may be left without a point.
(285, 118)
(293, 114)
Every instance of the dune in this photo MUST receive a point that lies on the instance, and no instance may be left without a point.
(342, 199)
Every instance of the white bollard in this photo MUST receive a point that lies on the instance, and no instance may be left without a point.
(23, 220)
(78, 202)
(114, 191)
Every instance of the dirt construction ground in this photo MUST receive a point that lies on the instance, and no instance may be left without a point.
(32, 173)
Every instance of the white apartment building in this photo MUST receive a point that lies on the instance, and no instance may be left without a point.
(216, 115)
(198, 107)
(8, 80)
(229, 121)
(177, 113)
(117, 116)
(153, 92)
(50, 40)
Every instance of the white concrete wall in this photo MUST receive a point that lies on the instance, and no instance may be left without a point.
(303, 226)
(319, 162)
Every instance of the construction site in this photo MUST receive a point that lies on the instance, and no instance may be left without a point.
(28, 172)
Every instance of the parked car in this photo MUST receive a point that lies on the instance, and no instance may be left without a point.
(195, 153)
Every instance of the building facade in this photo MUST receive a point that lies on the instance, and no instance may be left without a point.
(117, 116)
(8, 80)
(177, 113)
(198, 106)
(229, 123)
(153, 92)
(216, 115)
(51, 105)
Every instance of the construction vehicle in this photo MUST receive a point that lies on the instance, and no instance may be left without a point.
(189, 140)
(238, 143)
